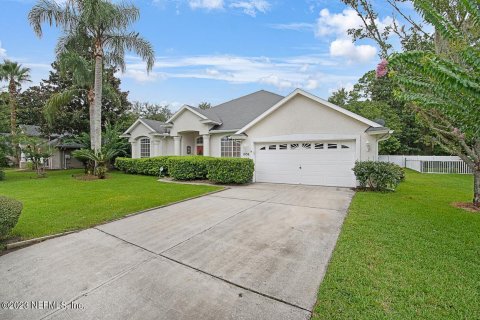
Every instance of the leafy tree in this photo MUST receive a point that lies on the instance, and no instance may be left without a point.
(340, 97)
(105, 26)
(443, 85)
(4, 113)
(411, 33)
(5, 150)
(374, 99)
(205, 105)
(381, 111)
(36, 151)
(14, 74)
(71, 117)
(150, 111)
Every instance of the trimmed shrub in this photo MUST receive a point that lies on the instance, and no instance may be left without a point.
(188, 167)
(230, 170)
(145, 166)
(378, 176)
(10, 210)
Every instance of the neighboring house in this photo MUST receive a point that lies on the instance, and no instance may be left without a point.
(298, 139)
(61, 151)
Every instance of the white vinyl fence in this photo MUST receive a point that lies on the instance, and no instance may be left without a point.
(430, 164)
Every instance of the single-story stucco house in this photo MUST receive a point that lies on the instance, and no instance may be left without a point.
(297, 139)
(61, 151)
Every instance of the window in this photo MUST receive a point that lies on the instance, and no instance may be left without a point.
(272, 147)
(200, 141)
(145, 148)
(345, 147)
(306, 145)
(318, 145)
(230, 148)
(262, 148)
(294, 146)
(282, 147)
(332, 146)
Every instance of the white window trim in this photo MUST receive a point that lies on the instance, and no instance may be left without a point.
(230, 153)
(149, 147)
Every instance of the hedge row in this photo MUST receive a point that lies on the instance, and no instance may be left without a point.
(188, 167)
(230, 170)
(10, 210)
(218, 170)
(146, 166)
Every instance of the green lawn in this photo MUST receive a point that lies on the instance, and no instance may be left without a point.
(406, 255)
(61, 203)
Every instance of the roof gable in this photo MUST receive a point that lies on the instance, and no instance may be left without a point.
(312, 97)
(153, 125)
(193, 110)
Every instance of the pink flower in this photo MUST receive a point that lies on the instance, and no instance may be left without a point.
(382, 68)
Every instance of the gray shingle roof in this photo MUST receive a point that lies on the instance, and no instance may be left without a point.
(29, 130)
(237, 113)
(158, 126)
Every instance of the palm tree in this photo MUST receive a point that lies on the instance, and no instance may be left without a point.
(80, 70)
(105, 27)
(13, 73)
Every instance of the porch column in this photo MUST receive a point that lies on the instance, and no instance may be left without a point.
(177, 145)
(206, 145)
(156, 148)
(134, 149)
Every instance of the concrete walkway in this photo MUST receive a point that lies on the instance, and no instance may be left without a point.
(254, 252)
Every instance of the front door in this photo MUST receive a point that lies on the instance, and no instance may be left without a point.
(200, 150)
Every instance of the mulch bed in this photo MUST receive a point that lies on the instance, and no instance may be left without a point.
(85, 177)
(466, 206)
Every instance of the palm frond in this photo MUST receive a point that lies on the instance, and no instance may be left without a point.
(80, 68)
(56, 101)
(132, 41)
(48, 11)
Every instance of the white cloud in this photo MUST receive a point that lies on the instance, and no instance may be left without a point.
(206, 4)
(339, 85)
(312, 84)
(306, 71)
(339, 23)
(336, 25)
(252, 7)
(345, 48)
(3, 51)
(141, 75)
(295, 26)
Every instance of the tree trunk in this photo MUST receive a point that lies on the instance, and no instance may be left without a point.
(91, 108)
(12, 88)
(97, 111)
(476, 188)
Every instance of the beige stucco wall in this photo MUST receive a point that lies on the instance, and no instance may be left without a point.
(188, 121)
(156, 142)
(303, 116)
(299, 117)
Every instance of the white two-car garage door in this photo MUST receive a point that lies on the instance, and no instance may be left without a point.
(313, 163)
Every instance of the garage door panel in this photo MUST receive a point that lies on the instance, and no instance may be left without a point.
(326, 163)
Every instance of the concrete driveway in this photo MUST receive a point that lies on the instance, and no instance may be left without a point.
(254, 252)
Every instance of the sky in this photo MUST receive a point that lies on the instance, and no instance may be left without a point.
(217, 50)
